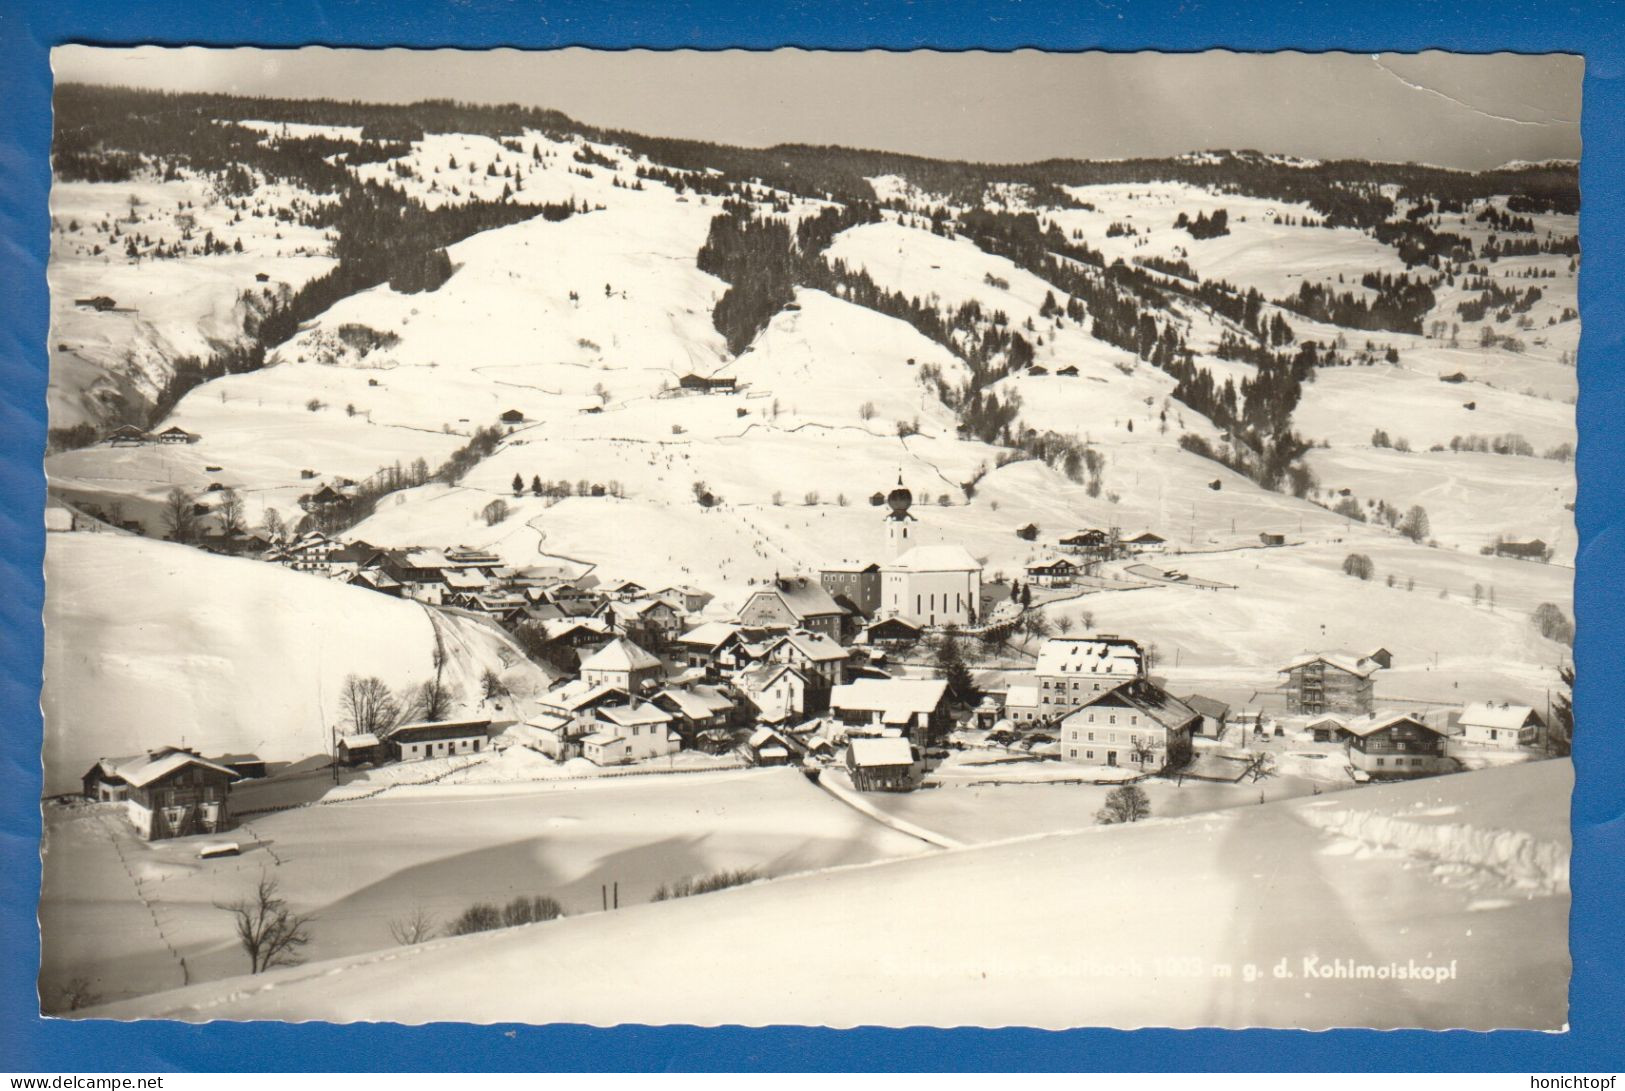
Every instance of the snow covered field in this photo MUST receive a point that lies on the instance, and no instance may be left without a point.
(1256, 916)
(357, 865)
(150, 644)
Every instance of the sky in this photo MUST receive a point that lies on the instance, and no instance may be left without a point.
(1455, 110)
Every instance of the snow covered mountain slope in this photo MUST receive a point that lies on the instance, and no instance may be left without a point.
(109, 365)
(159, 643)
(1233, 919)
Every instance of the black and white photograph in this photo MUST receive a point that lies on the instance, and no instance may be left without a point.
(811, 538)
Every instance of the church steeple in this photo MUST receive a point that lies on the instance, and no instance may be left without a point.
(898, 520)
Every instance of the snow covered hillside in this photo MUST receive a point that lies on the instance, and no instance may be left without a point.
(110, 365)
(1461, 884)
(163, 644)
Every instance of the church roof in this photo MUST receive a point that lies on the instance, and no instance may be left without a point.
(935, 558)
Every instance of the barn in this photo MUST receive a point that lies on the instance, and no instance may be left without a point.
(438, 739)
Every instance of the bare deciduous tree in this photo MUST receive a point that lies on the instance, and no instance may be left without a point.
(368, 706)
(180, 515)
(270, 933)
(416, 927)
(230, 511)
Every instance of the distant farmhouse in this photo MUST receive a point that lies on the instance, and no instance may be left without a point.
(701, 384)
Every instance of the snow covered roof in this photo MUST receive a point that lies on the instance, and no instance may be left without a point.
(763, 735)
(628, 715)
(363, 738)
(935, 558)
(576, 694)
(698, 703)
(1378, 721)
(148, 768)
(760, 677)
(620, 655)
(803, 598)
(867, 753)
(815, 646)
(603, 738)
(896, 699)
(1021, 695)
(1343, 661)
(1491, 714)
(1145, 697)
(1207, 706)
(1088, 655)
(709, 635)
(443, 728)
(556, 627)
(461, 580)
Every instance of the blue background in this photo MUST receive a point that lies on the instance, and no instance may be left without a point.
(28, 29)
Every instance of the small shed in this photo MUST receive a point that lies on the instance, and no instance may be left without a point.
(360, 749)
(880, 764)
(513, 416)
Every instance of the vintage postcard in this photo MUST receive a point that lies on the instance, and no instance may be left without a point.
(839, 539)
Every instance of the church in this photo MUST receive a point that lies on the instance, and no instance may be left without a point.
(923, 582)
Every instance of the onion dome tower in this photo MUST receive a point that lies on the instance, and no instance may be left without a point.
(898, 520)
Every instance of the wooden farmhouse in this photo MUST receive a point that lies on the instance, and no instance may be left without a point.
(1396, 744)
(170, 792)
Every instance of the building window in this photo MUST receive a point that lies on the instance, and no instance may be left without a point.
(1090, 755)
(1112, 718)
(1091, 734)
(1072, 753)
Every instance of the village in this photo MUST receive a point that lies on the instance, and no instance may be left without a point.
(905, 673)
